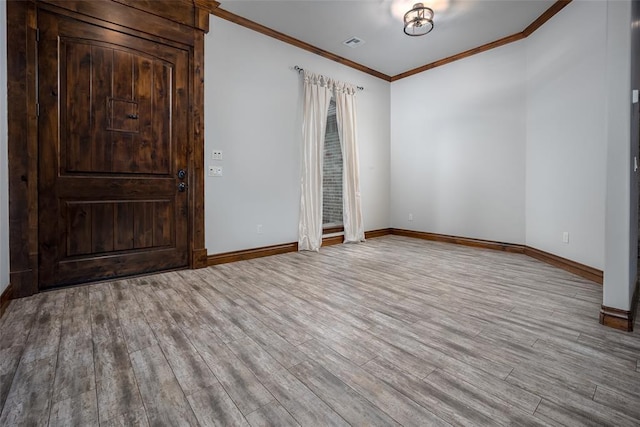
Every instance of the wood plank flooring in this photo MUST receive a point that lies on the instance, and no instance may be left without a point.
(394, 331)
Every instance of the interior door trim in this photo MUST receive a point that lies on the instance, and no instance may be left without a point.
(178, 22)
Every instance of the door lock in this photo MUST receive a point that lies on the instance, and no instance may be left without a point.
(182, 187)
(182, 173)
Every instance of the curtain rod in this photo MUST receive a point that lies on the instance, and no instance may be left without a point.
(299, 70)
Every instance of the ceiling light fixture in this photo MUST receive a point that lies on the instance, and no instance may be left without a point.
(418, 21)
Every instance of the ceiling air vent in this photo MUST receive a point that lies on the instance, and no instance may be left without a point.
(353, 42)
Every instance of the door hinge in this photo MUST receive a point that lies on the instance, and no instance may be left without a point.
(37, 110)
(37, 34)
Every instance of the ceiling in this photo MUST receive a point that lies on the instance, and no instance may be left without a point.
(460, 25)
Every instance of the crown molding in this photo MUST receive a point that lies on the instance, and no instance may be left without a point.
(548, 14)
(244, 22)
(485, 47)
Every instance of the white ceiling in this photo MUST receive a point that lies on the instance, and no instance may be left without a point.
(461, 25)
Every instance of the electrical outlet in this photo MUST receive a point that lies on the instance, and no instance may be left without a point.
(214, 170)
(565, 237)
(216, 155)
(259, 228)
(410, 217)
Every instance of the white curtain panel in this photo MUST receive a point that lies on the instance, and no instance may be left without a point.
(317, 93)
(346, 116)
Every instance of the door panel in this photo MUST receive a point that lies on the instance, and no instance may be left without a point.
(119, 120)
(96, 228)
(111, 140)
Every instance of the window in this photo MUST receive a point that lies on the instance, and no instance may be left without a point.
(332, 176)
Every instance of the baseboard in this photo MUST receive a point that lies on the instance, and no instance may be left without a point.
(331, 230)
(377, 233)
(333, 240)
(581, 270)
(476, 243)
(281, 249)
(251, 253)
(616, 318)
(5, 299)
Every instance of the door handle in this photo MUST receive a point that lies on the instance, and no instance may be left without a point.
(132, 116)
(182, 173)
(182, 187)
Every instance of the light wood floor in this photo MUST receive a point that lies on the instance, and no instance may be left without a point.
(392, 331)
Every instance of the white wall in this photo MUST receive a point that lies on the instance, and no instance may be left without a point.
(566, 133)
(634, 227)
(252, 112)
(4, 177)
(458, 146)
(619, 267)
(511, 144)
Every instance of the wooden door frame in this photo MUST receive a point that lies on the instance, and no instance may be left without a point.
(181, 23)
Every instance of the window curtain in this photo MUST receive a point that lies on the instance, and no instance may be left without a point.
(345, 99)
(317, 93)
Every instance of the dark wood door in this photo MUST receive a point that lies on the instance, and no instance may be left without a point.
(112, 130)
